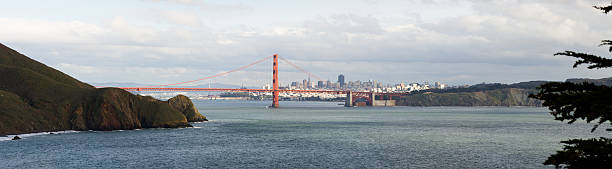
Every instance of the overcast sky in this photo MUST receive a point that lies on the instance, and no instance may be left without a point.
(166, 41)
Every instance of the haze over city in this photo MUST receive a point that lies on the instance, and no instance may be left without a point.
(165, 41)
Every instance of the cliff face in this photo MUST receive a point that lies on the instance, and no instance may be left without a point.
(497, 97)
(184, 105)
(35, 98)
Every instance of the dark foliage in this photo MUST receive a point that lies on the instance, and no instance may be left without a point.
(590, 153)
(587, 101)
(571, 101)
(605, 9)
(595, 62)
(606, 43)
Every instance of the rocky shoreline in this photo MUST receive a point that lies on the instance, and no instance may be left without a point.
(179, 103)
(184, 105)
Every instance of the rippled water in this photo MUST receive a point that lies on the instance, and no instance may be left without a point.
(244, 134)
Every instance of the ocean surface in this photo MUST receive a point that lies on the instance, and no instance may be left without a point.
(246, 134)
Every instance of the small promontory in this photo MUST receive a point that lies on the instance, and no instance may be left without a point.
(184, 105)
(38, 98)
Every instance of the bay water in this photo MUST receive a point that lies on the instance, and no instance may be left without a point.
(247, 134)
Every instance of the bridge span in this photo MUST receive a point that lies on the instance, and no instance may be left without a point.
(369, 98)
(351, 96)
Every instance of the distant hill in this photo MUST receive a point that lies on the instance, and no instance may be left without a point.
(601, 82)
(489, 97)
(493, 94)
(36, 98)
(487, 86)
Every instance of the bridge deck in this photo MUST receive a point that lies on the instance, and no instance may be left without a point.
(237, 90)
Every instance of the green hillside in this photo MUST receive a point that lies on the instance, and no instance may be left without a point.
(35, 98)
(493, 94)
(494, 97)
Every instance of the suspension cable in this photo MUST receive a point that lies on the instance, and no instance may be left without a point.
(213, 76)
(300, 69)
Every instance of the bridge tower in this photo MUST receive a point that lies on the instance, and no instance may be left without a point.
(372, 98)
(275, 82)
(349, 99)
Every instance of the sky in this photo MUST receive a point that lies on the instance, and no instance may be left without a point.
(167, 41)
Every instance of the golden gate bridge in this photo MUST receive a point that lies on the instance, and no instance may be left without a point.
(351, 96)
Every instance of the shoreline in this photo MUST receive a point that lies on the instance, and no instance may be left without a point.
(26, 135)
(10, 137)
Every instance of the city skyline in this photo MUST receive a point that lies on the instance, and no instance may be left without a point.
(167, 41)
(355, 84)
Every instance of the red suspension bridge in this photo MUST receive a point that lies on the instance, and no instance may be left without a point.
(351, 96)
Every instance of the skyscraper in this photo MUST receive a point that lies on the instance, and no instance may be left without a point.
(305, 84)
(320, 84)
(341, 80)
(309, 83)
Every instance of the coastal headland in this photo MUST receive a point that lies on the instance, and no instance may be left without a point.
(37, 98)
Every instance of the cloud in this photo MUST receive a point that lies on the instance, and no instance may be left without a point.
(176, 17)
(132, 73)
(181, 2)
(496, 41)
(42, 31)
(223, 6)
(346, 23)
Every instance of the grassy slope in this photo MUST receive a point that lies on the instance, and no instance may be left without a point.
(27, 120)
(35, 97)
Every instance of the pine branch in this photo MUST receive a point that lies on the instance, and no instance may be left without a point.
(595, 61)
(606, 43)
(571, 101)
(605, 9)
(579, 153)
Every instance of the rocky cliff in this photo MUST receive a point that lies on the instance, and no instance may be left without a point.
(496, 97)
(36, 98)
(184, 105)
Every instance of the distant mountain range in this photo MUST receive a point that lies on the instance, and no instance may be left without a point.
(212, 85)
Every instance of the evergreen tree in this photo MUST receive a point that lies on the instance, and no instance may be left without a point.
(584, 101)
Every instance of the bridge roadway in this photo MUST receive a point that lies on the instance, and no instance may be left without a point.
(239, 90)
